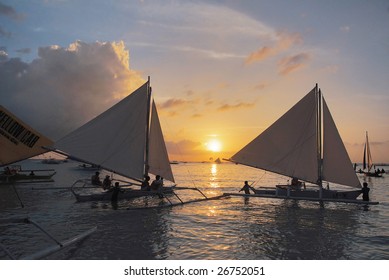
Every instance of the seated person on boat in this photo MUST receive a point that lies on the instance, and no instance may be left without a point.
(10, 171)
(296, 184)
(107, 183)
(145, 184)
(157, 184)
(96, 179)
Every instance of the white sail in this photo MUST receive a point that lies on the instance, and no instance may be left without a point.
(115, 140)
(289, 146)
(337, 166)
(18, 140)
(159, 163)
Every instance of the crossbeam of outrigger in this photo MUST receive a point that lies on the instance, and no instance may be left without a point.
(173, 204)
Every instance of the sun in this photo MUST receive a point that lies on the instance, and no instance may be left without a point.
(214, 145)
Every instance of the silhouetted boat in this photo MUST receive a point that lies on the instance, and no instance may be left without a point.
(368, 166)
(303, 144)
(127, 140)
(15, 174)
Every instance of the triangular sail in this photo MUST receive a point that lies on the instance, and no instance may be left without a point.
(18, 141)
(159, 163)
(337, 166)
(289, 146)
(368, 158)
(115, 140)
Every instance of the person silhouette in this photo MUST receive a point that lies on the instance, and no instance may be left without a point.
(365, 192)
(246, 188)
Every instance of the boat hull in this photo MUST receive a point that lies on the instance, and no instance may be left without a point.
(4, 179)
(372, 174)
(283, 191)
(123, 194)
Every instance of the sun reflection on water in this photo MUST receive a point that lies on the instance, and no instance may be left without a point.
(214, 170)
(214, 182)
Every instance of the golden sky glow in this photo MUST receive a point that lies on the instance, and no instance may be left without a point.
(225, 68)
(214, 145)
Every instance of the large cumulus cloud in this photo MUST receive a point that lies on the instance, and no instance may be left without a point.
(65, 87)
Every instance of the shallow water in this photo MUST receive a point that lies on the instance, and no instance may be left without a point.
(231, 228)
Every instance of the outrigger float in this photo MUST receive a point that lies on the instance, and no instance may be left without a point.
(299, 196)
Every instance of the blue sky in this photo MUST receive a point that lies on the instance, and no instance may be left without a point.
(219, 69)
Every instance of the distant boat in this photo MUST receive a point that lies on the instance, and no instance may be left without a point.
(368, 166)
(218, 161)
(89, 167)
(52, 161)
(303, 144)
(15, 174)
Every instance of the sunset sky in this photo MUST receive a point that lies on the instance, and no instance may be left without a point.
(221, 71)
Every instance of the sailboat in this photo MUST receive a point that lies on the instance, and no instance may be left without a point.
(127, 140)
(304, 144)
(19, 141)
(368, 161)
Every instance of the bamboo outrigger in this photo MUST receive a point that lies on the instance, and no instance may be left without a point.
(316, 199)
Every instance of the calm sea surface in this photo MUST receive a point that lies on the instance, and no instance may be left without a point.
(232, 228)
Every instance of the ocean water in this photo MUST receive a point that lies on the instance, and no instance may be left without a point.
(231, 228)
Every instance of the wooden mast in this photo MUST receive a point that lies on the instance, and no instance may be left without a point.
(319, 142)
(146, 165)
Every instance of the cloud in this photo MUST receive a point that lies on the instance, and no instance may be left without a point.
(7, 11)
(196, 116)
(292, 63)
(3, 55)
(10, 12)
(173, 102)
(4, 33)
(24, 51)
(228, 107)
(199, 28)
(261, 86)
(283, 42)
(65, 87)
(183, 149)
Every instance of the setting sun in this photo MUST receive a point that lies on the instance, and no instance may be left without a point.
(214, 145)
